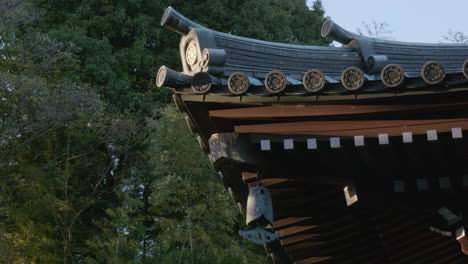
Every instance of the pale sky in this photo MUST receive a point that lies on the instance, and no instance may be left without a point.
(410, 20)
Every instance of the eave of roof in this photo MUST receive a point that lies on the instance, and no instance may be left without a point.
(225, 64)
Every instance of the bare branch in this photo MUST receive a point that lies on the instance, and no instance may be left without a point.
(456, 37)
(376, 29)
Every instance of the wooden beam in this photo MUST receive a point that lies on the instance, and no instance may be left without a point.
(312, 260)
(287, 232)
(232, 147)
(287, 222)
(248, 177)
(296, 239)
(367, 128)
(303, 249)
(433, 95)
(270, 183)
(302, 110)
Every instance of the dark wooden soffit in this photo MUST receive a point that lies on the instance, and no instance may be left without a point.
(316, 226)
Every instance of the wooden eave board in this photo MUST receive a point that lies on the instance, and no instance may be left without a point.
(367, 128)
(255, 99)
(306, 110)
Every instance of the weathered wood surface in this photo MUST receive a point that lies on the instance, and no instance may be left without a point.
(233, 147)
(304, 110)
(367, 128)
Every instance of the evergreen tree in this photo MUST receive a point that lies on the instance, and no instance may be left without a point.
(89, 171)
(46, 143)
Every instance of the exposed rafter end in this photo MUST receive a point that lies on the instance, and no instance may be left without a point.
(265, 145)
(457, 133)
(359, 141)
(350, 194)
(288, 144)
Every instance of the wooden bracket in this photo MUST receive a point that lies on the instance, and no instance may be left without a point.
(233, 147)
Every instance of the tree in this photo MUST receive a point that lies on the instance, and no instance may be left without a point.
(51, 151)
(456, 37)
(89, 172)
(177, 214)
(277, 20)
(376, 29)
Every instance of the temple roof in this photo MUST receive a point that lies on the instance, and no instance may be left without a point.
(219, 63)
(362, 147)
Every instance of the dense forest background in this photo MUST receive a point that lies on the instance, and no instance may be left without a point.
(96, 166)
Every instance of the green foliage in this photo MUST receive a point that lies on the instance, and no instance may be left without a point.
(89, 171)
(279, 20)
(179, 213)
(191, 209)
